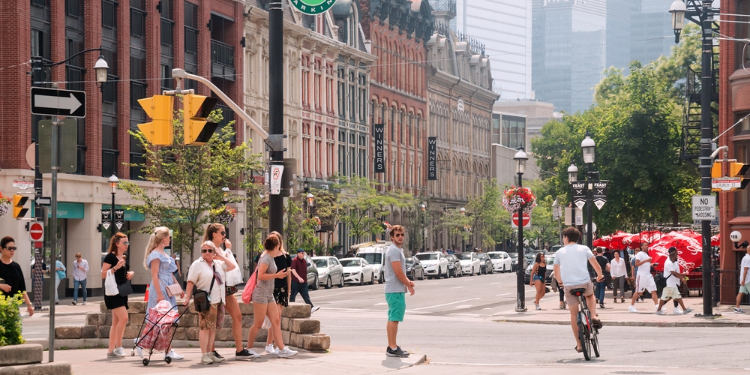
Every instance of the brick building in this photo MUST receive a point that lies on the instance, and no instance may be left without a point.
(142, 41)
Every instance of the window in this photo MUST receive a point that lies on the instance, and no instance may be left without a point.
(352, 97)
(341, 92)
(166, 73)
(73, 8)
(362, 99)
(137, 22)
(109, 18)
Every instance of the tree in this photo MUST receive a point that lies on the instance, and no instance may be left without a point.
(328, 209)
(189, 180)
(300, 228)
(362, 206)
(485, 210)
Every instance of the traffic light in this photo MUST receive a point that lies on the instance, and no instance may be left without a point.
(198, 130)
(19, 201)
(716, 170)
(739, 170)
(160, 130)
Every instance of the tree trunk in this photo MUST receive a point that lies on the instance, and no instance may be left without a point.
(675, 214)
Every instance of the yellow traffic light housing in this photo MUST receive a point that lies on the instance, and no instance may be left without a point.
(19, 201)
(716, 170)
(196, 108)
(738, 170)
(160, 131)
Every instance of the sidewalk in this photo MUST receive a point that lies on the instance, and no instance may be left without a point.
(616, 314)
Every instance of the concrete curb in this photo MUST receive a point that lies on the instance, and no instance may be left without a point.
(635, 324)
(128, 344)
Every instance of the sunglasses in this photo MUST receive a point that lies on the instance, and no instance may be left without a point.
(398, 235)
(126, 243)
(11, 248)
(223, 233)
(207, 251)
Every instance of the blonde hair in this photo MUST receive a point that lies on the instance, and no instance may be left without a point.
(160, 233)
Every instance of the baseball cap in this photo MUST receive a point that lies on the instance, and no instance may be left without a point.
(300, 251)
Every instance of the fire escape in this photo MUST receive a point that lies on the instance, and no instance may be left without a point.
(691, 124)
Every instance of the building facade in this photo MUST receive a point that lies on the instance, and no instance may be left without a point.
(536, 113)
(142, 41)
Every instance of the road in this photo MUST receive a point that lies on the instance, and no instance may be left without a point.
(451, 321)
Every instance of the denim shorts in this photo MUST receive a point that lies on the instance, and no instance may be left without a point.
(537, 277)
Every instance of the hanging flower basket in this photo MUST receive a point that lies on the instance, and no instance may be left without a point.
(4, 205)
(514, 198)
(226, 216)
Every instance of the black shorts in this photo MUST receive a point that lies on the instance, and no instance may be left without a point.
(281, 296)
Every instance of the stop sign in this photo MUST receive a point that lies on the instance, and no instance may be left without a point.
(36, 231)
(526, 220)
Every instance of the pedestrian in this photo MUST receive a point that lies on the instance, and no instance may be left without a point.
(217, 234)
(162, 268)
(350, 254)
(396, 285)
(744, 277)
(635, 272)
(674, 278)
(555, 285)
(80, 269)
(619, 272)
(572, 271)
(281, 289)
(299, 280)
(264, 304)
(59, 275)
(644, 280)
(538, 274)
(115, 261)
(601, 286)
(11, 274)
(209, 273)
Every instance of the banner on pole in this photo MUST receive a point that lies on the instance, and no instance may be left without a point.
(379, 158)
(432, 158)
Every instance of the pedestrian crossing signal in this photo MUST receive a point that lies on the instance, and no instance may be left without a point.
(19, 203)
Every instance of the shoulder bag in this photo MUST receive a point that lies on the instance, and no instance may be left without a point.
(202, 298)
(247, 293)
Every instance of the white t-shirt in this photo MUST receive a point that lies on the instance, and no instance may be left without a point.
(644, 268)
(200, 274)
(745, 264)
(573, 260)
(672, 281)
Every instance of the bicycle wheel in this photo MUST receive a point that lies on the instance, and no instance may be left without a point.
(595, 342)
(585, 343)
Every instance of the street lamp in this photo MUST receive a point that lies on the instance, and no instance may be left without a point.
(589, 149)
(113, 181)
(225, 196)
(101, 68)
(422, 208)
(310, 200)
(704, 12)
(572, 173)
(589, 156)
(520, 159)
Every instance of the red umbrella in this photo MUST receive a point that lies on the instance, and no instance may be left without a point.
(613, 241)
(650, 236)
(689, 252)
(715, 240)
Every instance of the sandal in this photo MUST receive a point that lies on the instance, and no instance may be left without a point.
(578, 350)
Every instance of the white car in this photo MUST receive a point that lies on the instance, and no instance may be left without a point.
(501, 261)
(435, 264)
(357, 271)
(374, 253)
(469, 263)
(330, 272)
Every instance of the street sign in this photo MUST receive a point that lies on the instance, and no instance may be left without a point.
(276, 172)
(579, 216)
(67, 145)
(44, 201)
(600, 193)
(23, 185)
(579, 194)
(106, 220)
(52, 102)
(119, 218)
(726, 183)
(526, 220)
(704, 207)
(36, 231)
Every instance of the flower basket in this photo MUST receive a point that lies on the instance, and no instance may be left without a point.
(226, 216)
(4, 205)
(514, 198)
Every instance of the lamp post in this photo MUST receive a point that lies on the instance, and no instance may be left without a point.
(705, 17)
(225, 195)
(589, 155)
(422, 208)
(520, 159)
(113, 181)
(463, 242)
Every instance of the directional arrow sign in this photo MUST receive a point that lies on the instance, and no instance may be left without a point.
(51, 102)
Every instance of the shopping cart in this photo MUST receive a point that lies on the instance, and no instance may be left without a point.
(157, 330)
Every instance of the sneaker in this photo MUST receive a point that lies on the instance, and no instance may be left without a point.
(74, 303)
(217, 355)
(84, 303)
(659, 312)
(314, 309)
(173, 355)
(139, 351)
(632, 309)
(206, 359)
(615, 300)
(677, 311)
(285, 353)
(215, 358)
(271, 350)
(396, 353)
(601, 305)
(687, 311)
(538, 307)
(243, 355)
(112, 354)
(738, 310)
(120, 352)
(656, 307)
(252, 353)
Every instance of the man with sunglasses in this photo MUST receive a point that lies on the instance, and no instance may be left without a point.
(396, 285)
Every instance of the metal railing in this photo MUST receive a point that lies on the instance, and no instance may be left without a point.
(222, 53)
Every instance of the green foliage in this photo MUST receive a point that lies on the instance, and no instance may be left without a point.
(362, 206)
(10, 320)
(487, 217)
(300, 229)
(543, 226)
(189, 180)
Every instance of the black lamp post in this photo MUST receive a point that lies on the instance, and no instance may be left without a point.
(422, 208)
(589, 155)
(520, 159)
(702, 13)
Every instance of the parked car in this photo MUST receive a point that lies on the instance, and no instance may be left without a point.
(485, 263)
(454, 266)
(550, 265)
(434, 263)
(357, 271)
(312, 274)
(555, 248)
(414, 269)
(514, 261)
(330, 271)
(469, 263)
(501, 261)
(374, 253)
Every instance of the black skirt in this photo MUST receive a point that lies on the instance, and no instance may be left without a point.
(113, 302)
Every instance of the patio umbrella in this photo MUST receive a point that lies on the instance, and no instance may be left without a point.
(715, 240)
(688, 245)
(613, 241)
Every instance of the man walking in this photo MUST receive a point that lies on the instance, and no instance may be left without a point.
(644, 280)
(601, 286)
(299, 279)
(396, 285)
(744, 278)
(80, 269)
(673, 276)
(571, 269)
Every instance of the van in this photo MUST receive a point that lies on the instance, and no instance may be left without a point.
(374, 253)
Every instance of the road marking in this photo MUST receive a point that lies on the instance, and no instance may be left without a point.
(445, 304)
(504, 294)
(456, 287)
(466, 314)
(462, 307)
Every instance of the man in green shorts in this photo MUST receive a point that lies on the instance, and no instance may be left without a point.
(396, 285)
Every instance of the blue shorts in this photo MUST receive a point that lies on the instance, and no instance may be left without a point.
(537, 277)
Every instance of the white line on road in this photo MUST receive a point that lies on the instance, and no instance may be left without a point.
(504, 294)
(456, 287)
(445, 304)
(463, 306)
(466, 314)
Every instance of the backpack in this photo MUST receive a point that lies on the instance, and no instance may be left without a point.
(660, 280)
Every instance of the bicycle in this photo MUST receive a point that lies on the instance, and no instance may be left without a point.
(587, 332)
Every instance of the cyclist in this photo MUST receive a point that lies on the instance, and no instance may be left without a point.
(572, 271)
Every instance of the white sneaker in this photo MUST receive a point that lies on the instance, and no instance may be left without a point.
(687, 311)
(632, 309)
(120, 352)
(215, 358)
(286, 352)
(173, 355)
(253, 353)
(314, 309)
(206, 359)
(84, 303)
(677, 311)
(538, 307)
(656, 307)
(660, 312)
(271, 350)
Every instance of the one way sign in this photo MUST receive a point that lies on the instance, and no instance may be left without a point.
(51, 102)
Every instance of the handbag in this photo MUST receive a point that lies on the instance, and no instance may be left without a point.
(110, 284)
(234, 277)
(201, 298)
(174, 290)
(252, 282)
(125, 289)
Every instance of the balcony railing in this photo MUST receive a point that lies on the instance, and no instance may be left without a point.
(222, 60)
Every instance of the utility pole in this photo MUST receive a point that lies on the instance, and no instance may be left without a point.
(276, 106)
(707, 133)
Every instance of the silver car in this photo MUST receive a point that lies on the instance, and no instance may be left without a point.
(330, 271)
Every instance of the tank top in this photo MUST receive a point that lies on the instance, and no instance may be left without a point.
(541, 271)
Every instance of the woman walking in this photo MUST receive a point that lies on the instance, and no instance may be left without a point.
(538, 273)
(209, 273)
(264, 304)
(115, 261)
(618, 271)
(162, 268)
(217, 234)
(281, 290)
(12, 274)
